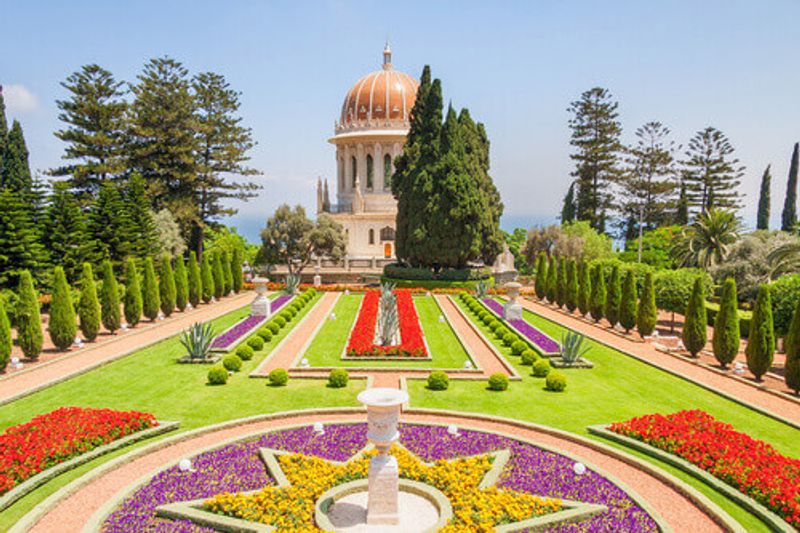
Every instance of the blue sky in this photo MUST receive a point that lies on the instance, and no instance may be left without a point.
(516, 65)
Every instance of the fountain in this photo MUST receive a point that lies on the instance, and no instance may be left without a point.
(261, 305)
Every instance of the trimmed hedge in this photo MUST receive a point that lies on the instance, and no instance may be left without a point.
(232, 362)
(338, 378)
(278, 377)
(399, 272)
(744, 317)
(245, 352)
(217, 375)
(438, 380)
(556, 382)
(498, 382)
(434, 284)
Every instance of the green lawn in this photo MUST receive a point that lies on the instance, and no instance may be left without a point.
(327, 347)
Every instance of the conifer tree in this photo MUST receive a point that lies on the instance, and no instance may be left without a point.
(761, 339)
(762, 220)
(196, 292)
(597, 302)
(682, 207)
(109, 299)
(142, 227)
(226, 270)
(219, 275)
(181, 284)
(647, 316)
(792, 346)
(166, 286)
(16, 168)
(561, 282)
(20, 248)
(711, 175)
(789, 214)
(133, 294)
(29, 321)
(628, 306)
(568, 209)
(584, 288)
(89, 305)
(3, 130)
(726, 326)
(572, 285)
(695, 321)
(109, 225)
(6, 342)
(151, 299)
(552, 279)
(62, 325)
(540, 284)
(614, 297)
(65, 232)
(236, 270)
(207, 278)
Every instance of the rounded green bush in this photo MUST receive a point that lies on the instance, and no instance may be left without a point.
(509, 339)
(286, 315)
(280, 321)
(232, 362)
(494, 325)
(291, 311)
(541, 368)
(501, 333)
(528, 357)
(255, 342)
(217, 375)
(245, 352)
(338, 378)
(278, 377)
(265, 333)
(488, 319)
(556, 382)
(482, 316)
(518, 347)
(438, 380)
(273, 327)
(498, 382)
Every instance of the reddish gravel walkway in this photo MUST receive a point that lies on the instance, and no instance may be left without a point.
(80, 361)
(72, 512)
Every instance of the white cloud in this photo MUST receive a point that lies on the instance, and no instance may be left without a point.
(19, 99)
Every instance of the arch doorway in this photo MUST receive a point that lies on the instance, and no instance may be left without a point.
(387, 250)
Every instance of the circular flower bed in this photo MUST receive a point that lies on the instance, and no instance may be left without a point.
(238, 467)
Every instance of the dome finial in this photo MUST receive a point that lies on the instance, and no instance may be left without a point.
(387, 56)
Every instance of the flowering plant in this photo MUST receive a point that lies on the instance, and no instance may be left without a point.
(545, 344)
(751, 466)
(362, 338)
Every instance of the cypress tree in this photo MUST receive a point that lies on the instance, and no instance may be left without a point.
(568, 209)
(29, 319)
(236, 270)
(552, 279)
(62, 325)
(207, 278)
(166, 286)
(792, 345)
(133, 294)
(628, 306)
(695, 321)
(109, 299)
(682, 207)
(219, 276)
(89, 305)
(789, 215)
(151, 300)
(3, 129)
(6, 343)
(16, 168)
(226, 270)
(181, 284)
(572, 285)
(584, 288)
(762, 220)
(761, 339)
(647, 316)
(540, 284)
(561, 282)
(195, 283)
(597, 302)
(614, 297)
(726, 326)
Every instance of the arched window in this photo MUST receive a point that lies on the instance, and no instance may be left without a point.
(354, 171)
(370, 172)
(387, 171)
(371, 236)
(387, 233)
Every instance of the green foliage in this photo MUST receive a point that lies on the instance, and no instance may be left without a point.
(628, 306)
(614, 297)
(438, 380)
(541, 368)
(219, 275)
(695, 322)
(196, 291)
(265, 333)
(29, 320)
(227, 273)
(556, 382)
(166, 286)
(133, 295)
(291, 283)
(62, 325)
(88, 305)
(597, 300)
(338, 378)
(784, 293)
(397, 271)
(274, 327)
(6, 342)
(791, 344)
(541, 276)
(255, 342)
(151, 298)
(572, 347)
(509, 338)
(110, 225)
(584, 288)
(16, 167)
(568, 208)
(789, 214)
(657, 247)
(673, 288)
(552, 279)
(647, 316)
(561, 282)
(726, 326)
(708, 241)
(528, 357)
(207, 278)
(761, 342)
(236, 270)
(19, 238)
(232, 362)
(181, 284)
(762, 218)
(711, 174)
(142, 231)
(517, 347)
(498, 382)
(571, 299)
(245, 352)
(197, 340)
(64, 231)
(109, 299)
(278, 377)
(217, 375)
(280, 321)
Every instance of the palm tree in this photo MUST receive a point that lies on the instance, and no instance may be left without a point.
(708, 240)
(784, 259)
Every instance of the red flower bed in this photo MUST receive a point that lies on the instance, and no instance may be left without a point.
(27, 449)
(411, 341)
(751, 466)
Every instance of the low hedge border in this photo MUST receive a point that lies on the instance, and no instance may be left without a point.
(775, 522)
(397, 271)
(744, 318)
(434, 284)
(34, 482)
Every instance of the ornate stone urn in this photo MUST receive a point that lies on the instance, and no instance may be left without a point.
(261, 305)
(512, 310)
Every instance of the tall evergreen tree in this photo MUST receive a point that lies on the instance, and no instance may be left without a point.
(66, 234)
(236, 269)
(614, 297)
(647, 316)
(109, 299)
(552, 279)
(540, 283)
(29, 320)
(196, 292)
(561, 282)
(142, 227)
(6, 342)
(571, 299)
(219, 275)
(762, 220)
(133, 294)
(568, 209)
(584, 288)
(682, 207)
(89, 305)
(695, 319)
(207, 278)
(151, 299)
(3, 131)
(181, 284)
(226, 270)
(761, 337)
(20, 248)
(597, 300)
(16, 167)
(595, 136)
(726, 326)
(109, 225)
(792, 346)
(62, 325)
(166, 286)
(629, 303)
(710, 172)
(789, 214)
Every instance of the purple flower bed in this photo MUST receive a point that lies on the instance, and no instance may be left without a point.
(280, 301)
(543, 342)
(237, 467)
(243, 327)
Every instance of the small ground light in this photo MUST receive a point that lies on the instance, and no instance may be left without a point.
(185, 465)
(124, 327)
(441, 319)
(304, 363)
(579, 468)
(452, 429)
(333, 316)
(467, 365)
(319, 428)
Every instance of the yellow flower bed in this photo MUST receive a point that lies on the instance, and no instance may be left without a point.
(474, 509)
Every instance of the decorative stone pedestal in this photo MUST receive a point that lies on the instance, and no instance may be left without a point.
(261, 305)
(512, 310)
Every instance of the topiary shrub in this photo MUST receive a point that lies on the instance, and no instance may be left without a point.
(89, 305)
(647, 316)
(278, 377)
(6, 343)
(109, 299)
(62, 325)
(696, 322)
(181, 284)
(265, 334)
(217, 375)
(286, 315)
(518, 347)
(792, 345)
(613, 297)
(761, 343)
(166, 286)
(232, 362)
(291, 312)
(528, 357)
(629, 304)
(194, 279)
(541, 368)
(494, 325)
(338, 378)
(273, 327)
(280, 321)
(206, 278)
(498, 382)
(597, 299)
(132, 302)
(726, 326)
(509, 339)
(438, 380)
(151, 298)
(245, 352)
(556, 382)
(255, 342)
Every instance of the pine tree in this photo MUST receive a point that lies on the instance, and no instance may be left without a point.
(614, 297)
(109, 299)
(584, 289)
(140, 220)
(196, 290)
(695, 321)
(109, 225)
(62, 325)
(181, 284)
(597, 302)
(540, 284)
(552, 279)
(16, 167)
(647, 316)
(628, 307)
(711, 175)
(133, 294)
(792, 346)
(6, 343)
(219, 276)
(20, 248)
(89, 305)
(572, 286)
(166, 286)
(207, 278)
(568, 209)
(3, 131)
(236, 270)
(561, 282)
(761, 339)
(65, 232)
(789, 215)
(151, 299)
(226, 270)
(762, 220)
(29, 320)
(726, 326)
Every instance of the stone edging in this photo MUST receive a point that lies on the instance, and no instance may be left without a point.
(775, 522)
(36, 481)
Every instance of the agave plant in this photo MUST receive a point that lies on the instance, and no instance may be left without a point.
(572, 347)
(197, 340)
(292, 283)
(481, 290)
(389, 321)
